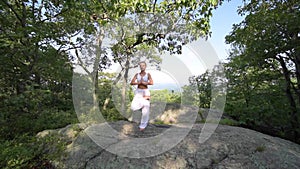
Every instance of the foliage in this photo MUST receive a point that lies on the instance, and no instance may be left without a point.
(229, 122)
(165, 96)
(263, 68)
(36, 63)
(190, 95)
(35, 81)
(159, 122)
(202, 83)
(255, 95)
(35, 76)
(138, 29)
(29, 152)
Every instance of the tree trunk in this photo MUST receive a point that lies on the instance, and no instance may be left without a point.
(293, 113)
(297, 90)
(107, 100)
(199, 102)
(96, 69)
(124, 88)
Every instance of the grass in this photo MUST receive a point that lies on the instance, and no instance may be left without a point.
(260, 149)
(158, 122)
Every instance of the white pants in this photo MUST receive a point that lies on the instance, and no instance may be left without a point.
(139, 102)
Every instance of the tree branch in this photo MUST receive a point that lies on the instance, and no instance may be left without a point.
(13, 10)
(140, 40)
(154, 4)
(81, 63)
(59, 13)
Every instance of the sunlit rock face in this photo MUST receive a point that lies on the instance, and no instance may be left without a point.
(228, 147)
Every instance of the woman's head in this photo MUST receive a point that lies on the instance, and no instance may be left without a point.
(143, 65)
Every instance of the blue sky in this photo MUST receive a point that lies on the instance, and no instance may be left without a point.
(221, 25)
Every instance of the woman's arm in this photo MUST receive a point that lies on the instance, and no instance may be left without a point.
(133, 81)
(150, 80)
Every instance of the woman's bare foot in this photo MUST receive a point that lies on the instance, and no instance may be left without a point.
(142, 129)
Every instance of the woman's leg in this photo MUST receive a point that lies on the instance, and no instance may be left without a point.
(136, 102)
(145, 114)
(145, 109)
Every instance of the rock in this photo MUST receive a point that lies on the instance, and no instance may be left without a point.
(168, 113)
(229, 147)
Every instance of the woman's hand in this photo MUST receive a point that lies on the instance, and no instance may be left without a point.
(144, 83)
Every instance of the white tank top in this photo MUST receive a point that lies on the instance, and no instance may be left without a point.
(145, 77)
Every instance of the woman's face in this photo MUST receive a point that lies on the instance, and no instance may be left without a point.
(142, 66)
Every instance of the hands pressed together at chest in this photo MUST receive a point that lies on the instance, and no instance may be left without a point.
(144, 79)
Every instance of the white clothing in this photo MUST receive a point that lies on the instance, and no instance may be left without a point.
(139, 102)
(139, 77)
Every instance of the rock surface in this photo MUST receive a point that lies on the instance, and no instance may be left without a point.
(169, 113)
(229, 147)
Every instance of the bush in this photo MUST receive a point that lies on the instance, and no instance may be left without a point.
(229, 122)
(165, 96)
(21, 123)
(112, 115)
(30, 152)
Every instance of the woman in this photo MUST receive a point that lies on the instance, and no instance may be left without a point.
(141, 98)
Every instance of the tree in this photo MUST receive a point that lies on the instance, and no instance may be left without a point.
(35, 67)
(254, 95)
(38, 39)
(203, 84)
(185, 21)
(267, 38)
(37, 36)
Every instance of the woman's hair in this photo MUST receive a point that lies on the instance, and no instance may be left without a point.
(142, 62)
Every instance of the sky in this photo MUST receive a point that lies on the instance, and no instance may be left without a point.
(221, 25)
